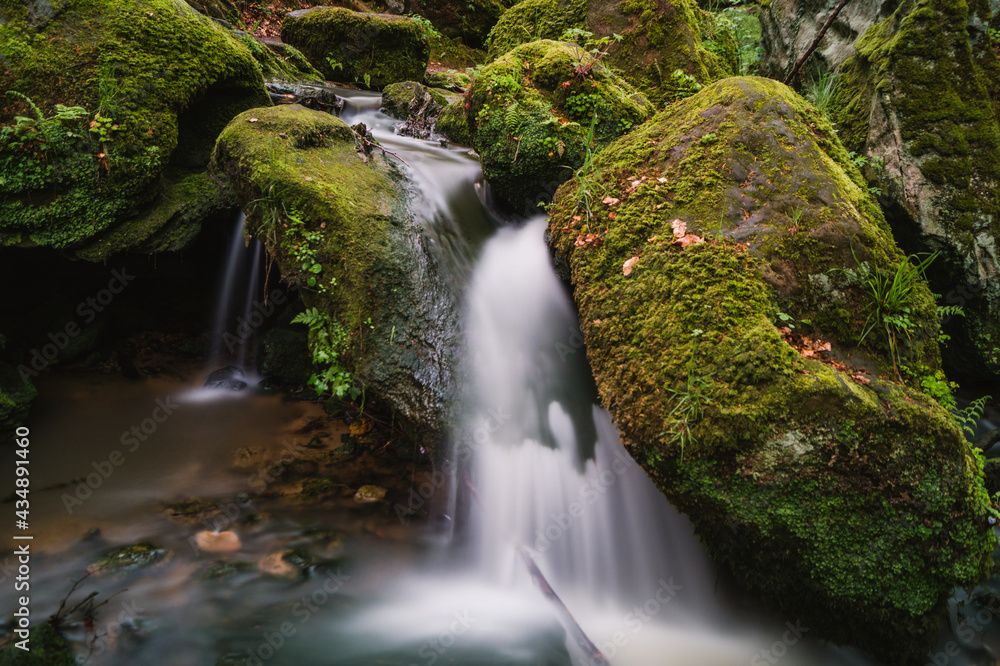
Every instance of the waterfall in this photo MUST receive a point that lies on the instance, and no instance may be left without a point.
(233, 329)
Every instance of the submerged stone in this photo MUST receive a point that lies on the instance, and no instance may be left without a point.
(828, 488)
(128, 559)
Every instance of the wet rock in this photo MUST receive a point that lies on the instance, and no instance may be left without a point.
(349, 449)
(415, 104)
(377, 49)
(368, 494)
(223, 569)
(310, 95)
(284, 357)
(248, 458)
(390, 289)
(230, 378)
(806, 477)
(320, 488)
(128, 559)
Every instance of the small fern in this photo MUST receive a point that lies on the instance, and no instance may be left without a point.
(968, 418)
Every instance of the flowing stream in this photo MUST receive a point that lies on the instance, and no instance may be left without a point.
(536, 481)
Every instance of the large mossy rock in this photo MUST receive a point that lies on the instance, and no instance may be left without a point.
(467, 20)
(348, 46)
(832, 492)
(789, 27)
(657, 37)
(530, 116)
(315, 200)
(920, 95)
(151, 83)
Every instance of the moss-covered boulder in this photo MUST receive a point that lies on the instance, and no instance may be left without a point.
(452, 124)
(280, 61)
(828, 488)
(116, 106)
(658, 37)
(467, 20)
(919, 96)
(417, 105)
(335, 218)
(373, 49)
(531, 114)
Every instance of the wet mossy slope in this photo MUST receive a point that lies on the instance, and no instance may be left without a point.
(834, 492)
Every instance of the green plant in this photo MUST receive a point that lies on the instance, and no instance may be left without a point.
(968, 418)
(889, 300)
(38, 151)
(587, 188)
(819, 90)
(684, 85)
(786, 319)
(427, 29)
(689, 403)
(334, 64)
(326, 339)
(744, 29)
(368, 80)
(597, 48)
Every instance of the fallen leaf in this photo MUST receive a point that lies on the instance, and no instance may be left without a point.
(688, 239)
(253, 120)
(611, 201)
(627, 266)
(612, 215)
(679, 227)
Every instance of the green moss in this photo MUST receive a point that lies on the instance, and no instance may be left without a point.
(467, 20)
(855, 507)
(48, 648)
(162, 74)
(128, 559)
(383, 47)
(173, 221)
(657, 37)
(530, 114)
(281, 61)
(294, 159)
(452, 124)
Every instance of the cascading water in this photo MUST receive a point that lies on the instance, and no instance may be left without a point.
(232, 333)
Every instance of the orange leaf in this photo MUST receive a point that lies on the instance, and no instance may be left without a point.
(611, 201)
(679, 227)
(627, 266)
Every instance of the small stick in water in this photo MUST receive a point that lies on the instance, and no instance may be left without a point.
(593, 653)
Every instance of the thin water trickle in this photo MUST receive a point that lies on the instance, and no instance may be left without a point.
(232, 329)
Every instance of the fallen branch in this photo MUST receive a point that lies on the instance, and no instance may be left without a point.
(815, 43)
(594, 655)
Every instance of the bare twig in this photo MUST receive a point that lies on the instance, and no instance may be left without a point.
(815, 43)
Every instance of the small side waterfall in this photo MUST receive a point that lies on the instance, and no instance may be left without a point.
(233, 328)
